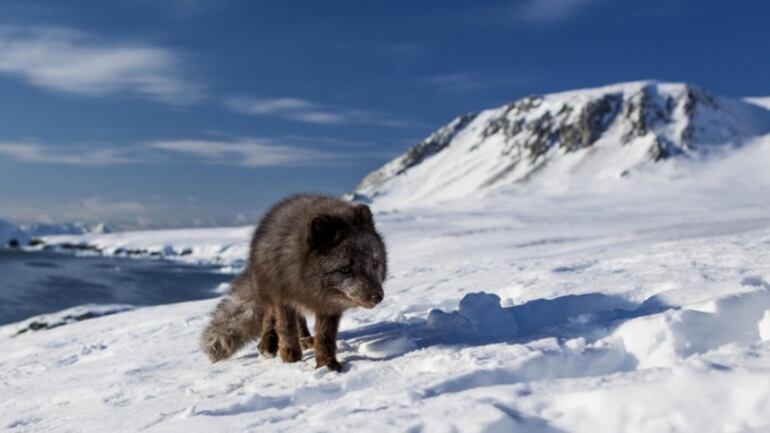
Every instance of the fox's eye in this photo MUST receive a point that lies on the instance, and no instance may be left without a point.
(345, 271)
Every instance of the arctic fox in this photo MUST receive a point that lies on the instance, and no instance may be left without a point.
(309, 254)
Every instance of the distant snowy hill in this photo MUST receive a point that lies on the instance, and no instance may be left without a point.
(566, 139)
(41, 229)
(9, 231)
(23, 234)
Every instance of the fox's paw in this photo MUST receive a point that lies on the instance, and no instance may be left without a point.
(332, 364)
(268, 345)
(290, 354)
(306, 343)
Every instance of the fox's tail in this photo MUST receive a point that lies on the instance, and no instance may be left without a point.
(235, 322)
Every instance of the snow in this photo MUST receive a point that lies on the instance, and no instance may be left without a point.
(764, 326)
(762, 101)
(226, 246)
(640, 306)
(63, 317)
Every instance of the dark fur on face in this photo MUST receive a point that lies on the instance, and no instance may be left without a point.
(312, 254)
(352, 261)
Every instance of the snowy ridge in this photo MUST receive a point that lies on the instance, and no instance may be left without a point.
(569, 139)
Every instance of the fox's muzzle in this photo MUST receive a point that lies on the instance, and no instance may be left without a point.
(366, 295)
(373, 299)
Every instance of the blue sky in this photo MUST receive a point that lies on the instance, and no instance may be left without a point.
(168, 113)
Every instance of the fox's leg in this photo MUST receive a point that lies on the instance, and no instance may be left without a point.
(305, 339)
(288, 339)
(268, 341)
(326, 341)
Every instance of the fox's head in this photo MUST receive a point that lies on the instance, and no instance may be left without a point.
(351, 256)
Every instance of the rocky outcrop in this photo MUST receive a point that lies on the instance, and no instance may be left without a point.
(435, 143)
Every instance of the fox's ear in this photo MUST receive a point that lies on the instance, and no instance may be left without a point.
(324, 232)
(363, 215)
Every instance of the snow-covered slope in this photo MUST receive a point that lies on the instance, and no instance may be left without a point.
(575, 139)
(9, 231)
(640, 310)
(762, 101)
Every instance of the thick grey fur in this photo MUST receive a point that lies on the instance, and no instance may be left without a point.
(309, 254)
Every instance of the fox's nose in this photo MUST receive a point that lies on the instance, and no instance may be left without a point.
(377, 298)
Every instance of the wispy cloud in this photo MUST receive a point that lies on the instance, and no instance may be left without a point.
(119, 213)
(464, 82)
(98, 209)
(269, 106)
(303, 110)
(545, 11)
(69, 155)
(69, 61)
(248, 152)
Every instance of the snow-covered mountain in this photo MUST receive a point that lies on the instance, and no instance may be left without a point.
(568, 138)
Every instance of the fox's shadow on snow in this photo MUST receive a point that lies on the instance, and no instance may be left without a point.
(481, 320)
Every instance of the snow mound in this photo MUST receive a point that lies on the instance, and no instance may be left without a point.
(480, 314)
(661, 340)
(481, 319)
